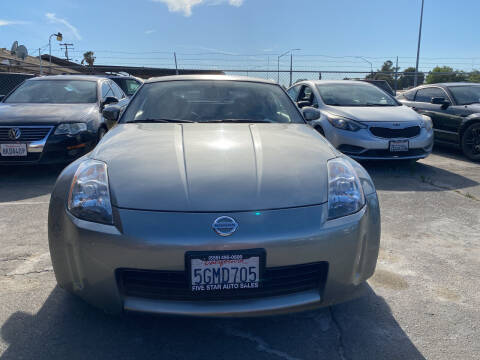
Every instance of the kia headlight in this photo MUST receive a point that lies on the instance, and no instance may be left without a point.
(344, 123)
(345, 193)
(427, 122)
(70, 128)
(89, 197)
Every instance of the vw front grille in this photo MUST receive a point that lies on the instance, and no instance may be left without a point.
(27, 133)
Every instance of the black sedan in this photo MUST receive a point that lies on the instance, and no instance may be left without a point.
(455, 112)
(55, 119)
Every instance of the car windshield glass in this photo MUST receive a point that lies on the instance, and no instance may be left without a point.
(55, 92)
(465, 95)
(212, 101)
(349, 94)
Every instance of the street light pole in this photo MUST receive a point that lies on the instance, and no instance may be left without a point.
(59, 38)
(278, 63)
(371, 65)
(415, 79)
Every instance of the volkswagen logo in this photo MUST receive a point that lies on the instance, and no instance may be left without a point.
(14, 133)
(224, 226)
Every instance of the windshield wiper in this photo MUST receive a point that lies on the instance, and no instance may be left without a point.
(160, 120)
(237, 121)
(470, 103)
(375, 104)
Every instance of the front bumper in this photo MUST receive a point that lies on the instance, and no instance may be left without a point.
(86, 256)
(363, 145)
(54, 149)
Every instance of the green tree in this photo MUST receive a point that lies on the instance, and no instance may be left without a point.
(384, 73)
(407, 80)
(88, 58)
(474, 76)
(441, 74)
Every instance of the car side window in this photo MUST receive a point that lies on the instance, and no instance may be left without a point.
(306, 94)
(131, 86)
(426, 94)
(106, 90)
(118, 93)
(410, 95)
(293, 92)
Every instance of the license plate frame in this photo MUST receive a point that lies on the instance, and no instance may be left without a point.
(203, 255)
(399, 146)
(22, 146)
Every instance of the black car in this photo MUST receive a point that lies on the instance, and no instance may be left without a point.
(55, 119)
(129, 84)
(455, 112)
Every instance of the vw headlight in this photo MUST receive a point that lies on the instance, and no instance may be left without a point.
(427, 123)
(70, 129)
(343, 123)
(89, 197)
(345, 193)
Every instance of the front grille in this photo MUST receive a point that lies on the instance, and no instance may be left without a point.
(389, 133)
(173, 285)
(27, 133)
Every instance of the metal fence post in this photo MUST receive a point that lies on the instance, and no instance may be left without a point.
(396, 77)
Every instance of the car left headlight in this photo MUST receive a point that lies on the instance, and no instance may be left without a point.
(89, 197)
(70, 128)
(345, 192)
(427, 122)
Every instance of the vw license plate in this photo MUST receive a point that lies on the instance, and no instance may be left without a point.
(225, 271)
(401, 145)
(13, 149)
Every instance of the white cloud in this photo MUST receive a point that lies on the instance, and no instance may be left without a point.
(54, 19)
(151, 31)
(185, 6)
(12, 22)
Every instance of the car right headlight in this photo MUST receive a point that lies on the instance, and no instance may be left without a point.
(345, 192)
(70, 128)
(89, 197)
(344, 123)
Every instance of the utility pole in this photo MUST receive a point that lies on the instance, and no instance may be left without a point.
(66, 49)
(40, 59)
(415, 79)
(176, 65)
(396, 76)
(291, 68)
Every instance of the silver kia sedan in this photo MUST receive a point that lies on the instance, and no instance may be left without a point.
(213, 197)
(365, 122)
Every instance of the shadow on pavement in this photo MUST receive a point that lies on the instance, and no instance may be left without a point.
(67, 328)
(419, 176)
(22, 182)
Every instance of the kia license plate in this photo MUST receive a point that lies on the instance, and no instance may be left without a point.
(400, 145)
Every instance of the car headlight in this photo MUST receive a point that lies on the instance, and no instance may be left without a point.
(345, 193)
(89, 197)
(343, 123)
(427, 122)
(70, 129)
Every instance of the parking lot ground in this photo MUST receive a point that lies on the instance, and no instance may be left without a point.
(423, 301)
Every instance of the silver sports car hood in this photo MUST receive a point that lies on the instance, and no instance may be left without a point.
(215, 167)
(376, 113)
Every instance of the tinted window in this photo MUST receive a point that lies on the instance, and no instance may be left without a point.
(354, 94)
(293, 92)
(207, 100)
(466, 94)
(106, 90)
(55, 92)
(117, 92)
(129, 86)
(426, 94)
(409, 95)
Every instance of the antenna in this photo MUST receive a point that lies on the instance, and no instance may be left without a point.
(66, 50)
(14, 47)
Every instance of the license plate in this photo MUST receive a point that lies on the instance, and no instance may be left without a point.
(13, 149)
(223, 271)
(396, 146)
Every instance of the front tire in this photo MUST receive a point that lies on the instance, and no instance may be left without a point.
(470, 142)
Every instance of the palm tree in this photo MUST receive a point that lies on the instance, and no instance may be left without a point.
(88, 58)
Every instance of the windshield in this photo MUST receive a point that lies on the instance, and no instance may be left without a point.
(212, 101)
(465, 95)
(349, 94)
(55, 92)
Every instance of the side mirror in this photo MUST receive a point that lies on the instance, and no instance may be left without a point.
(111, 113)
(2, 97)
(439, 101)
(109, 100)
(310, 113)
(303, 103)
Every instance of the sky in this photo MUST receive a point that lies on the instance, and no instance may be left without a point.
(250, 34)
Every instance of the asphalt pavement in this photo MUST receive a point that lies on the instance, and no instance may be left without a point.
(423, 301)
